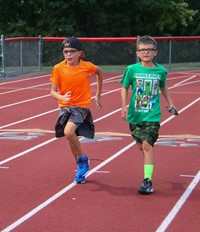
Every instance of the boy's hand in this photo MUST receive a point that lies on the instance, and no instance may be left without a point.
(124, 112)
(66, 98)
(172, 110)
(98, 101)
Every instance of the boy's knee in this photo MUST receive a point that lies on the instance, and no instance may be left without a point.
(146, 146)
(68, 134)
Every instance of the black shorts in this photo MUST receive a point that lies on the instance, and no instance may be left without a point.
(147, 131)
(82, 117)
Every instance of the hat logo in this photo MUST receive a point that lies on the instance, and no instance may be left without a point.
(68, 44)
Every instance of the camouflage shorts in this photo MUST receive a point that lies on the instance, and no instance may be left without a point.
(147, 131)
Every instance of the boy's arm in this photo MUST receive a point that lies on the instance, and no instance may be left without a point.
(124, 97)
(99, 75)
(166, 94)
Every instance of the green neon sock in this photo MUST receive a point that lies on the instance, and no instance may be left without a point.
(148, 171)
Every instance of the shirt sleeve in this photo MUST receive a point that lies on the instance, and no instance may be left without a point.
(54, 75)
(92, 67)
(163, 79)
(126, 79)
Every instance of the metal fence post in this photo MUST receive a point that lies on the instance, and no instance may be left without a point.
(137, 58)
(170, 55)
(21, 55)
(2, 56)
(40, 53)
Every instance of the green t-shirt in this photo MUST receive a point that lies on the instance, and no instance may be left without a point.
(145, 99)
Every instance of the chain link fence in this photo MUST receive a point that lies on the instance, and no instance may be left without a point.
(35, 54)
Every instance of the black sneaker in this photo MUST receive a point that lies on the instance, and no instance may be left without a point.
(146, 187)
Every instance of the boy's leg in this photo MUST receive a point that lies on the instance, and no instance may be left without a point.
(73, 139)
(146, 187)
(148, 160)
(150, 135)
(75, 146)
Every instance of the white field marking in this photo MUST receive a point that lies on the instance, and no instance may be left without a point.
(4, 167)
(48, 95)
(177, 77)
(190, 72)
(27, 151)
(22, 89)
(43, 205)
(111, 81)
(185, 80)
(179, 204)
(31, 130)
(102, 172)
(181, 110)
(185, 92)
(190, 176)
(20, 102)
(188, 83)
(44, 143)
(107, 115)
(63, 191)
(24, 79)
(70, 186)
(110, 78)
(47, 112)
(27, 119)
(98, 171)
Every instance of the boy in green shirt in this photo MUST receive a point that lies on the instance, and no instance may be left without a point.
(143, 114)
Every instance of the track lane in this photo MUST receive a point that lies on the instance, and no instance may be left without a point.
(108, 207)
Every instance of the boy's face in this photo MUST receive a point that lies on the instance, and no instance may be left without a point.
(72, 56)
(146, 52)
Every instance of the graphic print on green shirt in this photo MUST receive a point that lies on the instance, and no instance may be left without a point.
(145, 99)
(146, 91)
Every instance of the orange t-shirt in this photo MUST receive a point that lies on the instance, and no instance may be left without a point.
(76, 80)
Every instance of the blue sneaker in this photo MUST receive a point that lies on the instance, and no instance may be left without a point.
(83, 169)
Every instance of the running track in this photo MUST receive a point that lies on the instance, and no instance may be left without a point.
(37, 170)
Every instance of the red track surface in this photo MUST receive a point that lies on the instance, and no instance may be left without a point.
(37, 190)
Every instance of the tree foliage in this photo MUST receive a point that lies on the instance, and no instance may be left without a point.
(95, 18)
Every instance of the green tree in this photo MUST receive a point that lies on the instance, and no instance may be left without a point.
(95, 18)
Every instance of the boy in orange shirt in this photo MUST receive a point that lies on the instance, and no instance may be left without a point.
(71, 87)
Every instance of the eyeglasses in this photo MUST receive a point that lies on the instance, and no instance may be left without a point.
(146, 50)
(70, 51)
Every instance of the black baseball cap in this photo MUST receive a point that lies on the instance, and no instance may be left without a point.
(73, 42)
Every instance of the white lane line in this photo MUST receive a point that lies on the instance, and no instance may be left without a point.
(189, 176)
(179, 204)
(67, 188)
(24, 101)
(48, 95)
(22, 89)
(185, 80)
(47, 112)
(27, 119)
(24, 79)
(63, 191)
(27, 151)
(48, 141)
(104, 172)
